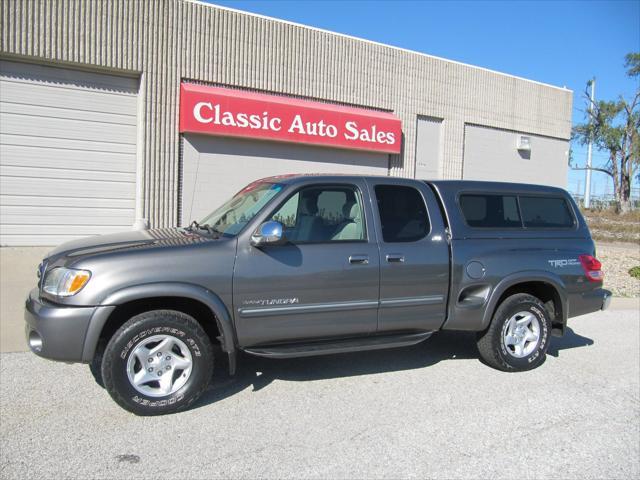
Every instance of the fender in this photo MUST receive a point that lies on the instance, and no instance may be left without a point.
(520, 277)
(164, 289)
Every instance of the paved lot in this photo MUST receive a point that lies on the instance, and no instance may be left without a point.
(429, 411)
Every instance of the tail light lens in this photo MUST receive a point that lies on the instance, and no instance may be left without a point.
(592, 268)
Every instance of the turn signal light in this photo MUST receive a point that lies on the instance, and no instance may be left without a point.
(65, 282)
(592, 268)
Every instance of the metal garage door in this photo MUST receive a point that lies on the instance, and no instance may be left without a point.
(492, 154)
(67, 153)
(215, 168)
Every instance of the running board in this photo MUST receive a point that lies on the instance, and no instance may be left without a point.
(328, 347)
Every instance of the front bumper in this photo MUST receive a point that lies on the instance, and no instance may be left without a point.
(54, 331)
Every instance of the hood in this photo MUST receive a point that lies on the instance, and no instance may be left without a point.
(134, 239)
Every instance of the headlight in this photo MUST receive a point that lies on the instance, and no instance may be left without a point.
(64, 282)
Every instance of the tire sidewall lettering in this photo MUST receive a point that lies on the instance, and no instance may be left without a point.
(156, 330)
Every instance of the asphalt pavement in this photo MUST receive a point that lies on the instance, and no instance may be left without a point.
(429, 411)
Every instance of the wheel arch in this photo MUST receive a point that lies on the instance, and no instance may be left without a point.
(549, 288)
(202, 304)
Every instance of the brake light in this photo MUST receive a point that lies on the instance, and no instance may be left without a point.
(592, 268)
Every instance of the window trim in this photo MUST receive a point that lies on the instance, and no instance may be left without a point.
(379, 217)
(464, 218)
(574, 219)
(357, 190)
(517, 196)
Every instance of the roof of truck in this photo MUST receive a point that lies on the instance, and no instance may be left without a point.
(478, 185)
(441, 185)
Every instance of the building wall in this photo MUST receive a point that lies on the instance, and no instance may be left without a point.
(211, 165)
(164, 41)
(491, 154)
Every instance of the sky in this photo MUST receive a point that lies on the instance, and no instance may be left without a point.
(562, 43)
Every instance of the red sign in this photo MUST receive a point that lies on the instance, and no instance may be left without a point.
(237, 113)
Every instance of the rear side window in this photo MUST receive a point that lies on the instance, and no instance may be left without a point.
(490, 211)
(403, 214)
(546, 212)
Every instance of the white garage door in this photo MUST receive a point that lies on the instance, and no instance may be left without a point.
(492, 154)
(215, 168)
(67, 153)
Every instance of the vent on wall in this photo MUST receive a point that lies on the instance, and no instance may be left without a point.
(524, 143)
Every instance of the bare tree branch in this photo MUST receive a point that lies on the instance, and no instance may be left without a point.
(595, 169)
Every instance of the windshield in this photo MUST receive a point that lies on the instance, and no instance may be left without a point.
(231, 217)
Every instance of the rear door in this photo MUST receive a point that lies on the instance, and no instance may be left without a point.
(414, 256)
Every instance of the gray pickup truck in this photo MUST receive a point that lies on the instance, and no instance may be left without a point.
(305, 265)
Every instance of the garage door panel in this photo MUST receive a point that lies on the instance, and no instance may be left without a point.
(44, 157)
(67, 153)
(20, 93)
(545, 164)
(35, 240)
(50, 75)
(62, 188)
(36, 172)
(66, 128)
(66, 219)
(41, 201)
(68, 113)
(65, 144)
(75, 231)
(211, 165)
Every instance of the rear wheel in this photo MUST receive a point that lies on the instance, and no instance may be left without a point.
(158, 362)
(519, 334)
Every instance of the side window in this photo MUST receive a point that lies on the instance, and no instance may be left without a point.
(546, 212)
(403, 214)
(323, 214)
(490, 211)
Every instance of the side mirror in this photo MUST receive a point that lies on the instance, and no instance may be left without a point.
(269, 233)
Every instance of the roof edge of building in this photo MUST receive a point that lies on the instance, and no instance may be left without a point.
(351, 37)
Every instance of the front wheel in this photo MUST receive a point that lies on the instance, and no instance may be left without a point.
(519, 334)
(158, 362)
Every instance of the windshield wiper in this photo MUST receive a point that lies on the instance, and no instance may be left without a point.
(205, 226)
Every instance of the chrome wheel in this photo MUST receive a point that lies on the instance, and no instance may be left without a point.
(521, 334)
(159, 365)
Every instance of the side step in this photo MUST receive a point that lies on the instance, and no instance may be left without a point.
(328, 347)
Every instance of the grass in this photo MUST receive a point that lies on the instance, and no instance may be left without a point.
(635, 271)
(607, 225)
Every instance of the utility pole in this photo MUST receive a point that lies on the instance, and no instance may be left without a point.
(587, 183)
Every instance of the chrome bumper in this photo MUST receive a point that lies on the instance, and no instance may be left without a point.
(606, 300)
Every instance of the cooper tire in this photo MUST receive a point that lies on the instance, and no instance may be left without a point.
(179, 353)
(518, 337)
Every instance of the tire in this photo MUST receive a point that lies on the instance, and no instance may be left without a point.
(96, 364)
(164, 343)
(518, 337)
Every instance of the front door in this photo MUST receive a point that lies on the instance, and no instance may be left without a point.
(323, 282)
(414, 256)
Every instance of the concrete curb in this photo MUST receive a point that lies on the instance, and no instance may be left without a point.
(625, 303)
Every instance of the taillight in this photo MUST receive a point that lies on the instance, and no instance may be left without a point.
(592, 268)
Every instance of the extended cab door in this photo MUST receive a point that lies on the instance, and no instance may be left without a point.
(414, 256)
(324, 282)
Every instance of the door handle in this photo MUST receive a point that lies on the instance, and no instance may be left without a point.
(395, 258)
(359, 259)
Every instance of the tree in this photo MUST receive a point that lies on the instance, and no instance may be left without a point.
(614, 126)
